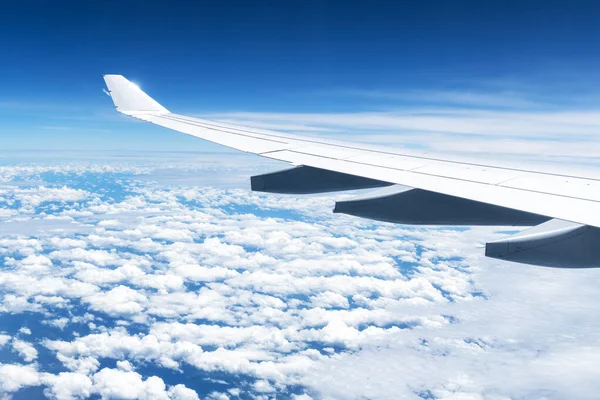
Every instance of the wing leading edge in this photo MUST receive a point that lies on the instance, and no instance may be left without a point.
(501, 196)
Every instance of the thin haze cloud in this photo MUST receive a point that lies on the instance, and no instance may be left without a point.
(473, 98)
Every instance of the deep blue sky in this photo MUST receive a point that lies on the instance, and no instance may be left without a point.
(273, 56)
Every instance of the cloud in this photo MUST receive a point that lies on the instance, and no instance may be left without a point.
(120, 301)
(107, 383)
(275, 295)
(4, 339)
(454, 121)
(114, 383)
(263, 386)
(478, 99)
(67, 386)
(35, 197)
(25, 331)
(180, 392)
(25, 350)
(15, 377)
(464, 122)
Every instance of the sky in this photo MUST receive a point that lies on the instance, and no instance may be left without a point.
(293, 65)
(135, 263)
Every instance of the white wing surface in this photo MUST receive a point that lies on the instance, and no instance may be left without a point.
(575, 199)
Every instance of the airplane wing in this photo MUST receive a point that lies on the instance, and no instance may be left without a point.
(415, 189)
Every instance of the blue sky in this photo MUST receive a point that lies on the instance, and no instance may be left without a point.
(282, 57)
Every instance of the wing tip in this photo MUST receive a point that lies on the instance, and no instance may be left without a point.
(129, 98)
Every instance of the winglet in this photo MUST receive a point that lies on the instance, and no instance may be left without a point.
(130, 99)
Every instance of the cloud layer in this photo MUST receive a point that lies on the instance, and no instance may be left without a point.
(133, 288)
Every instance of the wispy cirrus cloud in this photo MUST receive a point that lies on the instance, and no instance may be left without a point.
(472, 98)
(567, 133)
(486, 118)
(566, 124)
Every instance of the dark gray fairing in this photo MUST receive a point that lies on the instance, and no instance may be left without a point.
(552, 242)
(556, 243)
(307, 180)
(404, 205)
